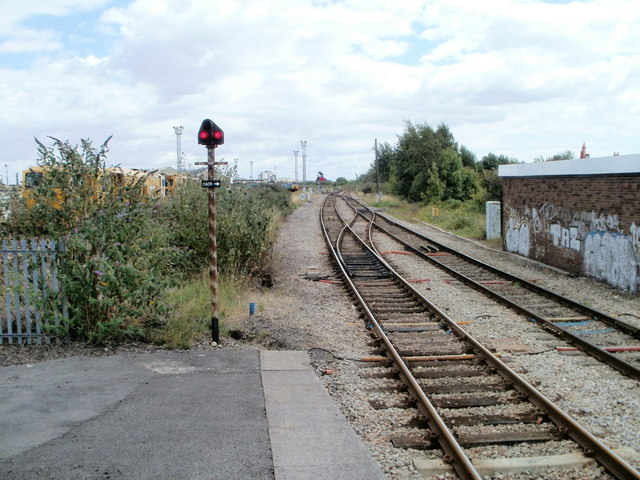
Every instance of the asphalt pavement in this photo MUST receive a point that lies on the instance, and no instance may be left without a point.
(215, 414)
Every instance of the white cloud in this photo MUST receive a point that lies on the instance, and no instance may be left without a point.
(30, 41)
(524, 78)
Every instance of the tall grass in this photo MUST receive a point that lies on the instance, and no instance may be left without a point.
(189, 320)
(397, 207)
(466, 219)
(461, 218)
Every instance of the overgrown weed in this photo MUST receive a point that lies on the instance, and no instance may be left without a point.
(456, 216)
(189, 320)
(131, 269)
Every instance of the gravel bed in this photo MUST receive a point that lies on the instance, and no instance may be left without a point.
(602, 400)
(319, 317)
(582, 289)
(599, 398)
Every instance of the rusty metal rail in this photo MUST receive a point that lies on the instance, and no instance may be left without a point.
(510, 290)
(368, 277)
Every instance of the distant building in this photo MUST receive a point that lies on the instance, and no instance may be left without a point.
(267, 176)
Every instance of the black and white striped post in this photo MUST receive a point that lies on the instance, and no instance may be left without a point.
(211, 136)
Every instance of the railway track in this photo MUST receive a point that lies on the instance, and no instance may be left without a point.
(470, 399)
(608, 339)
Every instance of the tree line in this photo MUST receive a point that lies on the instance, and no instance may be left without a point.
(428, 165)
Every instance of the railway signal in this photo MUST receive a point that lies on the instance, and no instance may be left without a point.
(210, 135)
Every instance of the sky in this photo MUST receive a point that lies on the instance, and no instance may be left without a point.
(521, 78)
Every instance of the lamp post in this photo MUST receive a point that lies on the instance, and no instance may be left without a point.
(180, 162)
(6, 167)
(303, 144)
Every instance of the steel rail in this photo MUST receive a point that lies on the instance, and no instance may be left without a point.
(589, 443)
(455, 454)
(623, 366)
(568, 302)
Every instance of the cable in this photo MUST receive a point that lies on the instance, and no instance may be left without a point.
(334, 355)
(479, 317)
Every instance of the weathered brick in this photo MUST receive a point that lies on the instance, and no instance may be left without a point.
(551, 219)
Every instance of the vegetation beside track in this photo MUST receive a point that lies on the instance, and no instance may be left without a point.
(428, 176)
(466, 219)
(133, 264)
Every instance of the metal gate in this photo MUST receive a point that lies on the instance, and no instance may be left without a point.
(32, 304)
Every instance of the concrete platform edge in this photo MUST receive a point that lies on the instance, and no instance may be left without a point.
(310, 438)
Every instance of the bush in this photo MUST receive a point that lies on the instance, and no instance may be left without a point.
(118, 259)
(246, 218)
(125, 248)
(184, 215)
(460, 223)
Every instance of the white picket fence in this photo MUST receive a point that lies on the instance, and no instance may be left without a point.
(32, 303)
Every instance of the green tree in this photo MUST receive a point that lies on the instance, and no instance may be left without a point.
(425, 165)
(428, 165)
(490, 182)
(417, 150)
(451, 170)
(566, 155)
(491, 161)
(435, 190)
(385, 159)
(468, 158)
(340, 181)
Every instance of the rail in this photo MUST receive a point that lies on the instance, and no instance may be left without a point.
(453, 451)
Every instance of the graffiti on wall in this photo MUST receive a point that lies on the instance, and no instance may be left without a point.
(565, 237)
(635, 237)
(610, 257)
(606, 251)
(600, 223)
(517, 236)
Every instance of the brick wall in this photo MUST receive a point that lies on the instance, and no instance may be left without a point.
(585, 224)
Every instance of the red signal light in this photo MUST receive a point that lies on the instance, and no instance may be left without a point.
(210, 134)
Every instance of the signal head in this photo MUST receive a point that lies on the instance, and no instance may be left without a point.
(210, 134)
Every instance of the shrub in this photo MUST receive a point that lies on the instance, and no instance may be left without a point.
(247, 219)
(125, 248)
(118, 259)
(460, 223)
(247, 226)
(454, 204)
(184, 215)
